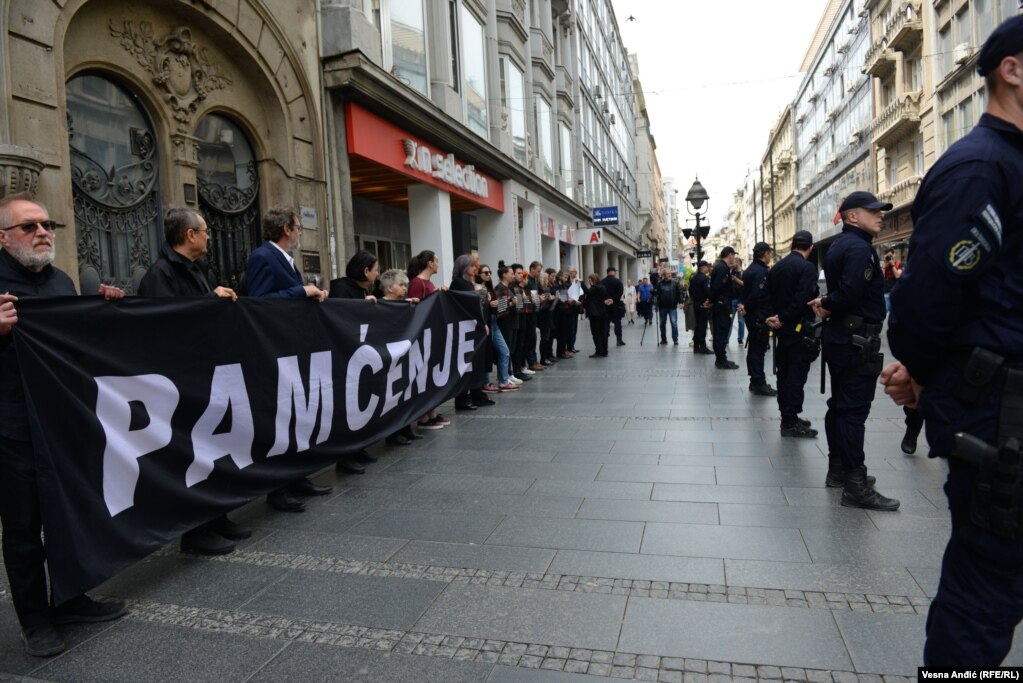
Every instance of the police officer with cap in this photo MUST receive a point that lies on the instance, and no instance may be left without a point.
(854, 310)
(957, 328)
(755, 309)
(699, 291)
(790, 287)
(721, 282)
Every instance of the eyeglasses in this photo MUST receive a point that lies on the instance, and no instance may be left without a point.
(29, 227)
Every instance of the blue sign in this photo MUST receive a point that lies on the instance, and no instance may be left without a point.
(605, 215)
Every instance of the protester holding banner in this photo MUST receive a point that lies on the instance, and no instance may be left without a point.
(360, 280)
(545, 316)
(485, 280)
(394, 285)
(179, 272)
(271, 272)
(26, 270)
(462, 281)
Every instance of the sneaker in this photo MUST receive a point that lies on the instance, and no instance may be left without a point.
(675, 342)
(726, 365)
(490, 388)
(429, 424)
(41, 641)
(527, 371)
(85, 610)
(515, 380)
(441, 420)
(509, 386)
(521, 378)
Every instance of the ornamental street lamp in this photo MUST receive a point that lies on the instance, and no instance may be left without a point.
(696, 199)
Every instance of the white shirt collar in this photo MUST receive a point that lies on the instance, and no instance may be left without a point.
(286, 254)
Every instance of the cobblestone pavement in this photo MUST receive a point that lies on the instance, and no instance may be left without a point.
(637, 517)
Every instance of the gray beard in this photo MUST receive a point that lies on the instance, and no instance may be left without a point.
(30, 258)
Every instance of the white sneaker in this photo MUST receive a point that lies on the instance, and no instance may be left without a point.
(527, 371)
(515, 380)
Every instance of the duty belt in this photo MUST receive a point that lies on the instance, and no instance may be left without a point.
(855, 324)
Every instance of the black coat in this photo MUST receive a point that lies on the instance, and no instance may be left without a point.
(347, 288)
(593, 300)
(699, 289)
(175, 275)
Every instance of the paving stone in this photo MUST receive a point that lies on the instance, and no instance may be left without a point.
(670, 677)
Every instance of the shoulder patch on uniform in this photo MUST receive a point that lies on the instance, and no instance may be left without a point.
(968, 251)
(868, 273)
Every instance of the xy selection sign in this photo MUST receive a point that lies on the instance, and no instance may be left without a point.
(605, 215)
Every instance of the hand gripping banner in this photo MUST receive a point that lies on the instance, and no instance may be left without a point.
(152, 416)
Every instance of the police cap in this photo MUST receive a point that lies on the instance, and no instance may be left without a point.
(862, 200)
(701, 264)
(1004, 41)
(802, 240)
(761, 248)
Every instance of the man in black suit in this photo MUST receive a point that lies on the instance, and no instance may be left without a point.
(699, 292)
(615, 291)
(272, 272)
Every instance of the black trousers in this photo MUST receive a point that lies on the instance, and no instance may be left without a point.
(563, 329)
(849, 405)
(700, 333)
(599, 328)
(615, 320)
(722, 317)
(527, 338)
(756, 350)
(545, 321)
(792, 373)
(21, 515)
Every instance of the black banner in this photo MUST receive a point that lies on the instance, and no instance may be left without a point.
(152, 416)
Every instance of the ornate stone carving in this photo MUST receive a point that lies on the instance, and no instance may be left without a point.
(179, 67)
(19, 170)
(185, 149)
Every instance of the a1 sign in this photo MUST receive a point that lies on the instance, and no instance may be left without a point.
(588, 237)
(605, 215)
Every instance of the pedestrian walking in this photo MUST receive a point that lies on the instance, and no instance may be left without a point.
(630, 303)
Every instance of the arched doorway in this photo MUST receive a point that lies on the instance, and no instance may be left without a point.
(228, 196)
(115, 183)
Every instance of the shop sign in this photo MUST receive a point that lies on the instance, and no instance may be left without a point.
(589, 237)
(605, 215)
(644, 254)
(424, 160)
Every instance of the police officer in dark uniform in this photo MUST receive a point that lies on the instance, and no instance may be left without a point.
(854, 309)
(957, 326)
(721, 281)
(699, 292)
(754, 308)
(791, 286)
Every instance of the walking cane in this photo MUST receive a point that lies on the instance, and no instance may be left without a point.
(643, 336)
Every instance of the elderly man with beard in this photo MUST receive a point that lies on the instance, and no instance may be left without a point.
(26, 270)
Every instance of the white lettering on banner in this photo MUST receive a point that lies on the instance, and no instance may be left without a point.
(291, 392)
(159, 398)
(226, 391)
(114, 398)
(444, 168)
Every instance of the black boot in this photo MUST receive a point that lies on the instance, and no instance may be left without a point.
(909, 440)
(859, 494)
(836, 474)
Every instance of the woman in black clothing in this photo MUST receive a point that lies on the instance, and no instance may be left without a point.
(563, 312)
(462, 281)
(360, 281)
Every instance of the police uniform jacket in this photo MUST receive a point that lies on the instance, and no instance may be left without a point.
(754, 290)
(175, 275)
(721, 284)
(855, 283)
(791, 284)
(962, 283)
(699, 289)
(22, 282)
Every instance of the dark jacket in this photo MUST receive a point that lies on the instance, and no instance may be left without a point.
(269, 274)
(855, 282)
(721, 284)
(22, 282)
(593, 301)
(699, 289)
(175, 275)
(790, 285)
(668, 293)
(347, 288)
(754, 290)
(614, 288)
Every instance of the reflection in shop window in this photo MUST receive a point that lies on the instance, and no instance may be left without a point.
(513, 101)
(408, 43)
(474, 72)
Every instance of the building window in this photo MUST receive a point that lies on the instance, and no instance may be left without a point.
(474, 73)
(1010, 8)
(456, 82)
(402, 27)
(965, 114)
(513, 102)
(567, 170)
(944, 60)
(544, 134)
(948, 128)
(984, 13)
(918, 156)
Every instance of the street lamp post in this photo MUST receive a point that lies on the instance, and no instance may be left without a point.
(696, 198)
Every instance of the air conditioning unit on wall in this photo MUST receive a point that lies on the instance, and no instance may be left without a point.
(961, 53)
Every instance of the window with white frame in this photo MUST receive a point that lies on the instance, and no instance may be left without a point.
(474, 73)
(545, 136)
(402, 25)
(513, 102)
(567, 170)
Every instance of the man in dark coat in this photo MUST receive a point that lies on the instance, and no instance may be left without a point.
(755, 309)
(26, 270)
(699, 292)
(597, 303)
(180, 271)
(615, 291)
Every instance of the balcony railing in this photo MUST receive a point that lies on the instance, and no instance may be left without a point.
(902, 193)
(879, 60)
(898, 119)
(905, 29)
